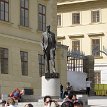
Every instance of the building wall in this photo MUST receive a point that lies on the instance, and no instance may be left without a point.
(85, 28)
(18, 38)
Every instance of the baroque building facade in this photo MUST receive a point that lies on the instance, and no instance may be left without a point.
(81, 25)
(22, 23)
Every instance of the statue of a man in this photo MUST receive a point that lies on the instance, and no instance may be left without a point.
(49, 47)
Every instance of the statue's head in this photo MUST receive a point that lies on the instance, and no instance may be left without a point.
(48, 28)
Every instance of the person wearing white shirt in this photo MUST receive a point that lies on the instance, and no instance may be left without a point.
(88, 86)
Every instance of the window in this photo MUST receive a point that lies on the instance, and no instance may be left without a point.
(75, 18)
(60, 41)
(41, 65)
(4, 60)
(24, 13)
(41, 17)
(95, 16)
(24, 62)
(58, 20)
(97, 77)
(74, 64)
(96, 47)
(4, 10)
(76, 45)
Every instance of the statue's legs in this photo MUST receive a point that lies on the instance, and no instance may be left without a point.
(48, 67)
(52, 67)
(47, 60)
(52, 60)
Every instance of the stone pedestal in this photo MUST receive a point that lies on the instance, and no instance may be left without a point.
(50, 86)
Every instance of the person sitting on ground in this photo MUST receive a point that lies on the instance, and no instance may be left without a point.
(16, 94)
(48, 102)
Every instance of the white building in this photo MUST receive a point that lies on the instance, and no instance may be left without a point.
(82, 25)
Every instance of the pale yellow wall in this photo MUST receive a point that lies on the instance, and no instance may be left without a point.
(18, 38)
(15, 79)
(86, 26)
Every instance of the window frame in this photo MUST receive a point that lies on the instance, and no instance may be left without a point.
(59, 21)
(97, 53)
(23, 17)
(4, 60)
(97, 76)
(4, 11)
(94, 19)
(77, 46)
(42, 22)
(41, 61)
(24, 62)
(74, 21)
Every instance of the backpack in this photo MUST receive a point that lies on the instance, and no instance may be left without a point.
(67, 104)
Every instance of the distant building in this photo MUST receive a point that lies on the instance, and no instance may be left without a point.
(82, 25)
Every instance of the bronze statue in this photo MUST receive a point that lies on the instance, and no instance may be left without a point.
(49, 47)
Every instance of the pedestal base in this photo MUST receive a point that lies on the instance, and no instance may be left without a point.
(50, 87)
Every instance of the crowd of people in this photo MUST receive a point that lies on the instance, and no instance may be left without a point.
(69, 101)
(11, 102)
(69, 98)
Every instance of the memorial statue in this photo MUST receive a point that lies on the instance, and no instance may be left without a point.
(49, 47)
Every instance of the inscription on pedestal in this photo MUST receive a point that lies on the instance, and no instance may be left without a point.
(52, 75)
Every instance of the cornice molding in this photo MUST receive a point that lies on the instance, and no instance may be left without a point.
(76, 36)
(95, 34)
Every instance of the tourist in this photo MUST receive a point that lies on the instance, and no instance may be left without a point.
(68, 101)
(69, 87)
(28, 105)
(74, 98)
(78, 104)
(65, 93)
(16, 94)
(61, 91)
(3, 103)
(10, 103)
(48, 102)
(88, 86)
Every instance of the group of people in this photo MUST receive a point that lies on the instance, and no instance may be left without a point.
(69, 101)
(69, 98)
(68, 89)
(11, 102)
(13, 98)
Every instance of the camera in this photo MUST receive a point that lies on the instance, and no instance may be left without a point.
(52, 101)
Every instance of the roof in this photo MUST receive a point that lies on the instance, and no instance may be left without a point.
(64, 2)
